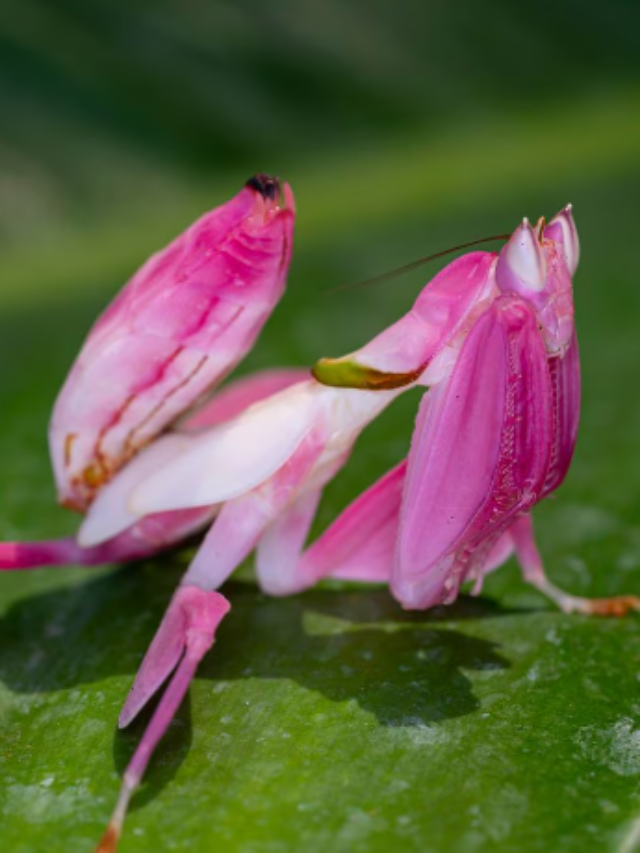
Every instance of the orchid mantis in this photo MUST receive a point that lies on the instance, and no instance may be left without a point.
(491, 338)
(497, 431)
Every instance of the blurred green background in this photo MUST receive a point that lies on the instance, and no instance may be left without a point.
(329, 721)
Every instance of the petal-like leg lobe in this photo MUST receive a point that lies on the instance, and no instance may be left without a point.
(360, 544)
(232, 399)
(162, 530)
(479, 456)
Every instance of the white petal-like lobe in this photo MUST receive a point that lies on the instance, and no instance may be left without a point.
(109, 514)
(229, 460)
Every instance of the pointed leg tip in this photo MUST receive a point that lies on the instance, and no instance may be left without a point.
(109, 841)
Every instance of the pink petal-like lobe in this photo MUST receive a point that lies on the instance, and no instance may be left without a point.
(360, 544)
(189, 626)
(179, 326)
(479, 455)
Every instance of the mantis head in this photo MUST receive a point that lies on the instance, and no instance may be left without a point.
(538, 263)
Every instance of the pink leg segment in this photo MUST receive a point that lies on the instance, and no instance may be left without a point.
(533, 571)
(188, 628)
(191, 622)
(279, 549)
(358, 546)
(66, 552)
(33, 555)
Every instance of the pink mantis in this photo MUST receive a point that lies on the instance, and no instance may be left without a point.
(491, 337)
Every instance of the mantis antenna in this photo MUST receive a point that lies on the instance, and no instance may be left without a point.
(385, 276)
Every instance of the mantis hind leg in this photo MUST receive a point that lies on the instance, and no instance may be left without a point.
(358, 546)
(534, 573)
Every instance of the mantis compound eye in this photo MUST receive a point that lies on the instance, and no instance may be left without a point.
(272, 197)
(268, 187)
(521, 266)
(562, 230)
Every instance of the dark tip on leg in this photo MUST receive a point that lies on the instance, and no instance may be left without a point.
(267, 186)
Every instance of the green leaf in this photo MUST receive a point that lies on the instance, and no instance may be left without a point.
(332, 720)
